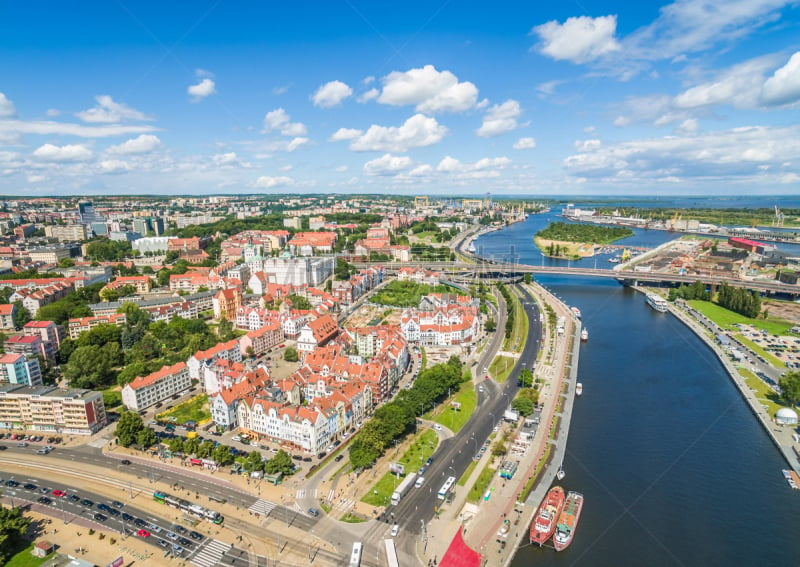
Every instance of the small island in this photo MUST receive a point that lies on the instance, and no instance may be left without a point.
(573, 240)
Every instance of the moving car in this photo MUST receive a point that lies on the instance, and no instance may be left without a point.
(313, 512)
(143, 533)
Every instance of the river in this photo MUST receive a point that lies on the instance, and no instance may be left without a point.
(675, 469)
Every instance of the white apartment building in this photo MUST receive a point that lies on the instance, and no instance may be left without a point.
(146, 391)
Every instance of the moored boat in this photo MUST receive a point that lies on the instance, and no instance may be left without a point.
(568, 521)
(561, 473)
(576, 312)
(544, 523)
(657, 302)
(578, 389)
(584, 334)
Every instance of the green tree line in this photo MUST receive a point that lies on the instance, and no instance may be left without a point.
(589, 233)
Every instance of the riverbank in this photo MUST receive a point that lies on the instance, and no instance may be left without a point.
(781, 436)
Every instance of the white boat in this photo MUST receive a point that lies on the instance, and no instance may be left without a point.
(576, 311)
(657, 302)
(471, 247)
(584, 334)
(578, 389)
(561, 474)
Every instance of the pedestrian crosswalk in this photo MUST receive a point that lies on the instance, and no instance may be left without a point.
(344, 503)
(263, 507)
(301, 493)
(210, 553)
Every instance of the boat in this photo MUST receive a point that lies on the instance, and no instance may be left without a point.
(576, 311)
(471, 247)
(614, 260)
(544, 523)
(578, 389)
(561, 473)
(568, 521)
(584, 334)
(657, 302)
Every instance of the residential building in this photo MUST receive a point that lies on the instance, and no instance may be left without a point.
(226, 303)
(81, 324)
(203, 358)
(312, 243)
(31, 346)
(291, 270)
(7, 313)
(50, 409)
(49, 254)
(418, 275)
(317, 333)
(141, 284)
(261, 340)
(293, 222)
(145, 391)
(445, 325)
(66, 233)
(19, 369)
(47, 330)
(153, 244)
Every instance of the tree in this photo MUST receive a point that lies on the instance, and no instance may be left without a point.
(22, 315)
(290, 355)
(253, 462)
(146, 437)
(343, 270)
(522, 405)
(490, 326)
(128, 427)
(526, 378)
(222, 455)
(790, 387)
(281, 462)
(299, 302)
(13, 527)
(92, 367)
(66, 263)
(527, 278)
(176, 444)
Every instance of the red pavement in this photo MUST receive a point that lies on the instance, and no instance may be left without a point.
(459, 554)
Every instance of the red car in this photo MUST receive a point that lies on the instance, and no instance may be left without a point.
(143, 533)
(281, 346)
(59, 493)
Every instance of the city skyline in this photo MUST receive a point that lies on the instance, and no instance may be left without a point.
(595, 98)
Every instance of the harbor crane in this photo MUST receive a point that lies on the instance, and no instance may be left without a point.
(778, 222)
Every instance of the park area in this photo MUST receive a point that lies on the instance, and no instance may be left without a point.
(405, 293)
(419, 451)
(457, 411)
(194, 409)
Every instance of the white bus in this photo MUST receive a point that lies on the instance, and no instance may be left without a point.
(446, 488)
(355, 555)
(391, 553)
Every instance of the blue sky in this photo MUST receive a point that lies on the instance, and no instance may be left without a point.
(452, 97)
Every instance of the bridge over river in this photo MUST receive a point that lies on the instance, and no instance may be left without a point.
(488, 269)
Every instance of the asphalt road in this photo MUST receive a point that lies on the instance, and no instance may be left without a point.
(455, 454)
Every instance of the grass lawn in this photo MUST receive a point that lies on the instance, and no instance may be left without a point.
(501, 367)
(193, 409)
(112, 397)
(519, 332)
(479, 488)
(453, 418)
(766, 395)
(774, 361)
(465, 477)
(405, 293)
(352, 519)
(25, 559)
(726, 319)
(422, 448)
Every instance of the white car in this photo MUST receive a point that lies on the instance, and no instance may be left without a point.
(437, 427)
(420, 482)
(395, 530)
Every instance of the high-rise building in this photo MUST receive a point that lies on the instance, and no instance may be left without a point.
(87, 213)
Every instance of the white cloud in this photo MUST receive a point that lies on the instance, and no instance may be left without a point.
(53, 112)
(587, 145)
(578, 40)
(500, 119)
(417, 131)
(36, 178)
(430, 90)
(280, 90)
(206, 87)
(451, 165)
(268, 182)
(688, 126)
(278, 120)
(783, 87)
(387, 164)
(688, 26)
(6, 107)
(341, 169)
(738, 85)
(331, 94)
(47, 127)
(589, 130)
(295, 143)
(112, 166)
(738, 153)
(144, 144)
(345, 134)
(368, 80)
(68, 153)
(229, 159)
(525, 144)
(369, 95)
(421, 170)
(106, 111)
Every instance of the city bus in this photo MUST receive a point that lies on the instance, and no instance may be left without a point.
(160, 497)
(355, 555)
(391, 553)
(447, 488)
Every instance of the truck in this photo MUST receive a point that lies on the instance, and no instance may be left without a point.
(402, 488)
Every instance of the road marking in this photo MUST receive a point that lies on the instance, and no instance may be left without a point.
(209, 553)
(263, 507)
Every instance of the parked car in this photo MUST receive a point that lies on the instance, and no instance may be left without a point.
(143, 533)
(313, 512)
